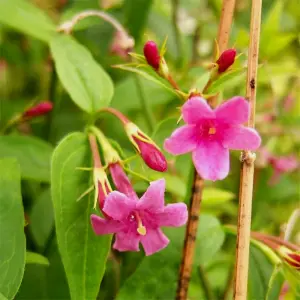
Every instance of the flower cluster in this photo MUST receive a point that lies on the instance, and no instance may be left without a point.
(132, 220)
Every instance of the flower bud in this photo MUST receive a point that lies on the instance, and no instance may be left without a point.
(148, 150)
(122, 44)
(151, 54)
(121, 181)
(226, 60)
(40, 109)
(290, 257)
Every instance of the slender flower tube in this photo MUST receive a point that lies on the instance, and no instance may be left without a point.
(290, 257)
(145, 146)
(135, 222)
(226, 60)
(209, 134)
(40, 109)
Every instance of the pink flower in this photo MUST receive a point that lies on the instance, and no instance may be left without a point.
(226, 60)
(135, 221)
(40, 109)
(209, 134)
(282, 164)
(151, 54)
(121, 181)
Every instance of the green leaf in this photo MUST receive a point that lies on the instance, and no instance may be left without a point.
(36, 258)
(25, 17)
(83, 253)
(146, 73)
(2, 297)
(210, 238)
(88, 84)
(226, 79)
(12, 241)
(272, 21)
(136, 15)
(215, 196)
(202, 81)
(32, 154)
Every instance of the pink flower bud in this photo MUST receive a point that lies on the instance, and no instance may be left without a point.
(121, 181)
(151, 54)
(151, 154)
(290, 257)
(226, 60)
(122, 44)
(40, 109)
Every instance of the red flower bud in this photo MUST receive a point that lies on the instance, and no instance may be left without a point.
(121, 181)
(290, 257)
(151, 54)
(40, 109)
(226, 60)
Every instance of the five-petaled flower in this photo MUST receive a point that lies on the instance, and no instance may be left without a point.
(134, 221)
(209, 134)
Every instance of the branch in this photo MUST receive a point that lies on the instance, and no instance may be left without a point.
(247, 168)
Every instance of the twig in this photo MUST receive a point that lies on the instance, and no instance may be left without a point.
(223, 34)
(247, 167)
(190, 238)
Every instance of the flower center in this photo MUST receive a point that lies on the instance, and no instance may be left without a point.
(212, 130)
(141, 229)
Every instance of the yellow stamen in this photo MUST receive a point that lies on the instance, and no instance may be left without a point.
(141, 228)
(212, 130)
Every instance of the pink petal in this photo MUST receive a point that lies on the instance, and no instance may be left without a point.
(234, 111)
(105, 226)
(154, 241)
(118, 206)
(174, 215)
(127, 241)
(241, 138)
(154, 198)
(196, 109)
(211, 160)
(182, 140)
(121, 181)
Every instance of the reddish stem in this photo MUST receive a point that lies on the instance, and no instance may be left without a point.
(117, 114)
(95, 151)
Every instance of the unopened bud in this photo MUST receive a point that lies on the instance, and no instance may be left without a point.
(122, 44)
(149, 151)
(151, 54)
(290, 257)
(102, 187)
(38, 110)
(226, 60)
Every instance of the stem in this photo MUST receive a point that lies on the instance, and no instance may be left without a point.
(205, 284)
(95, 151)
(247, 167)
(196, 39)
(144, 104)
(117, 114)
(291, 224)
(223, 33)
(68, 25)
(175, 5)
(190, 238)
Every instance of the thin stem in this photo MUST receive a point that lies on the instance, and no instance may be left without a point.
(68, 25)
(136, 174)
(95, 151)
(227, 12)
(196, 39)
(205, 284)
(247, 168)
(190, 238)
(291, 224)
(145, 105)
(117, 114)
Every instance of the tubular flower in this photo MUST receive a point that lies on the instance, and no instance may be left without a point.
(209, 134)
(40, 109)
(149, 151)
(121, 181)
(135, 221)
(226, 60)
